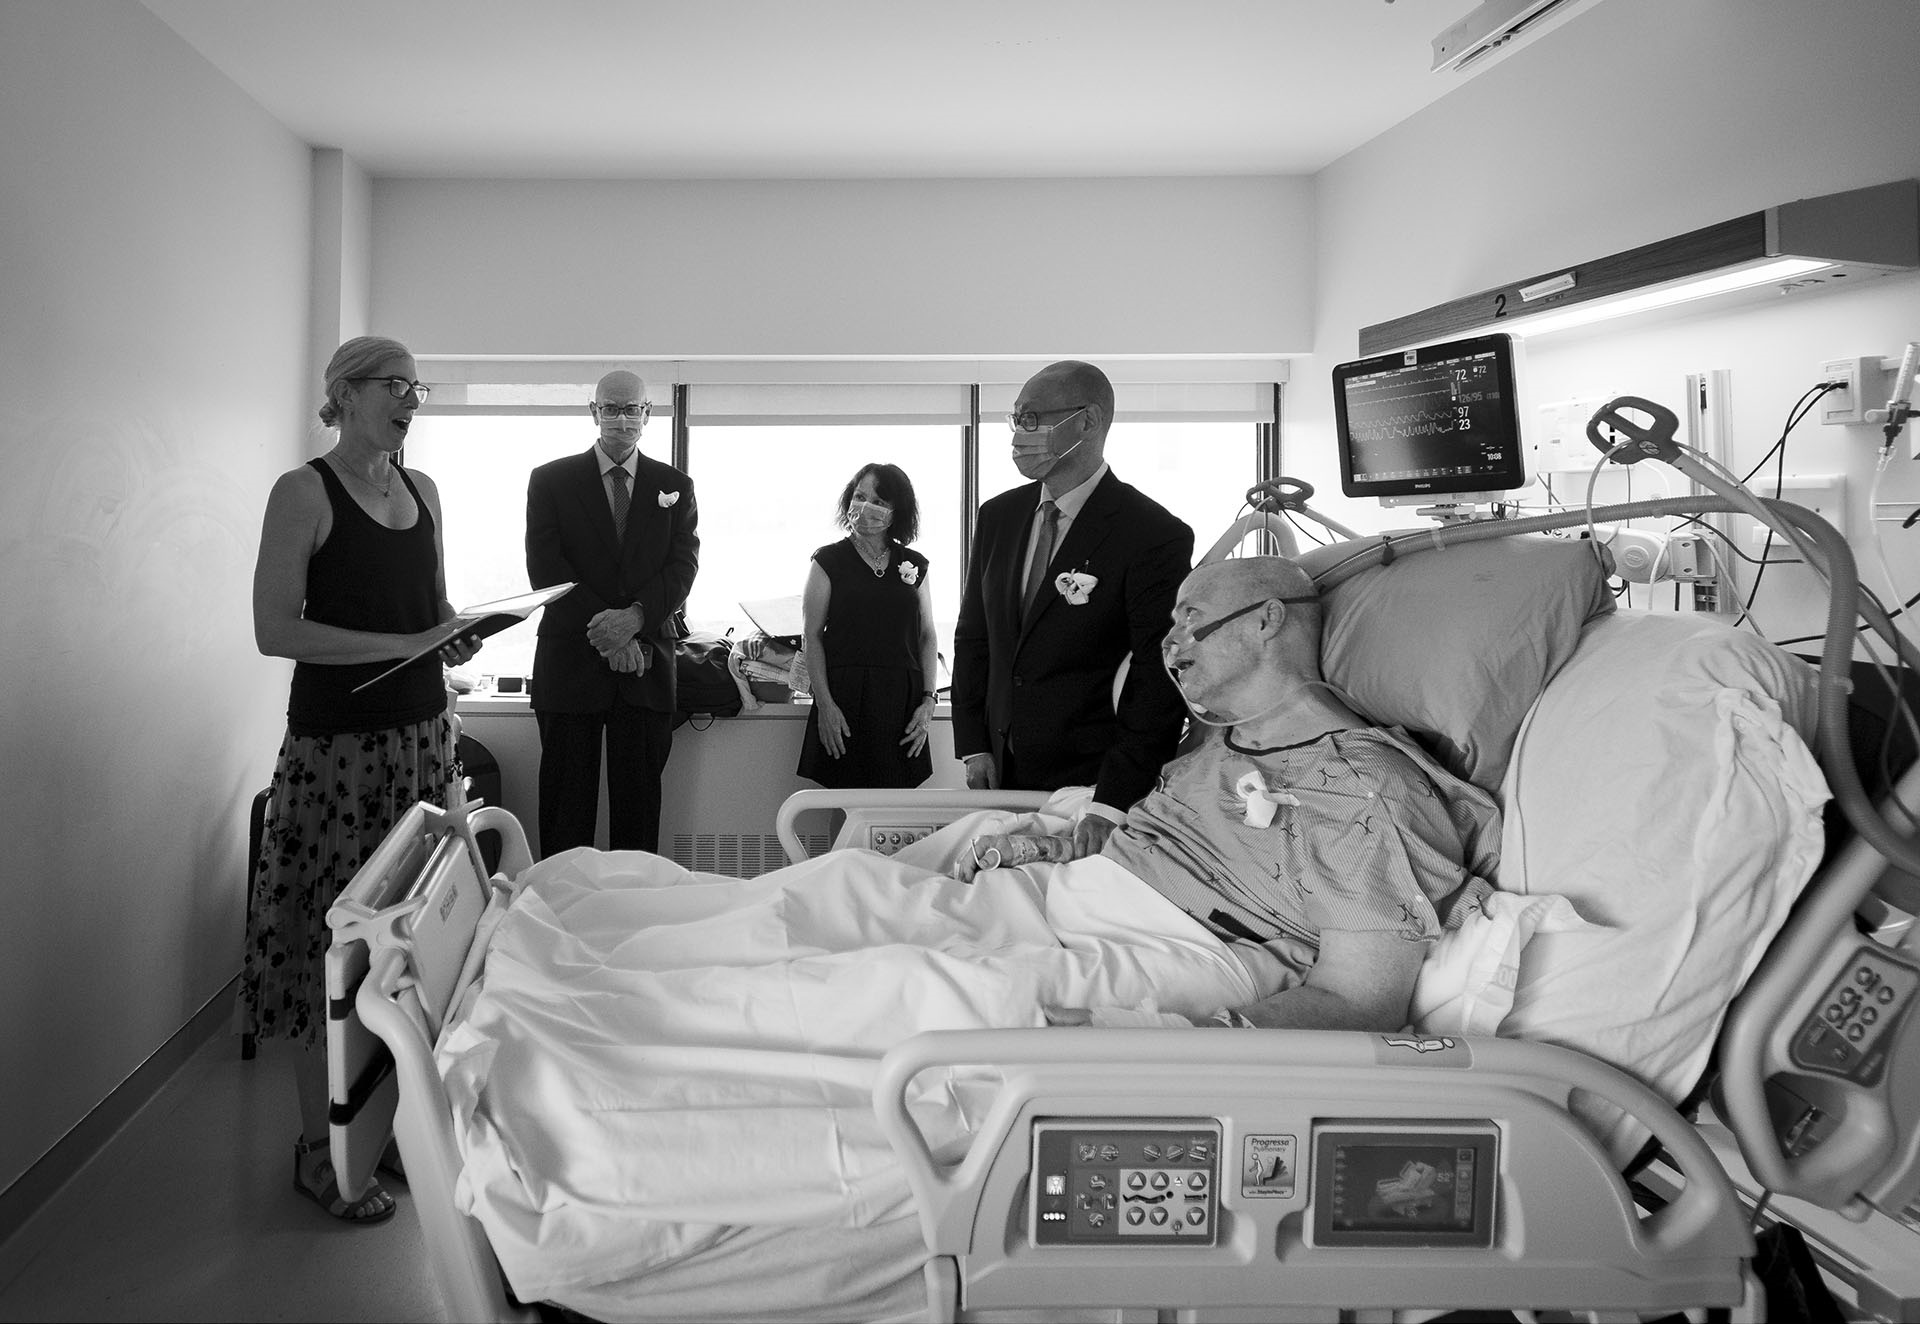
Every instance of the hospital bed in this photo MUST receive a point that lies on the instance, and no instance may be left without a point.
(1306, 1173)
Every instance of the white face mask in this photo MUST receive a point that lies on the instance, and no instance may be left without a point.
(1033, 451)
(617, 434)
(865, 517)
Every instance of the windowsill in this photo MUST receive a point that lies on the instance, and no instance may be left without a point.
(517, 703)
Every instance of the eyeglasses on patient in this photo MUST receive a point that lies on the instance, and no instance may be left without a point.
(398, 387)
(636, 411)
(1028, 420)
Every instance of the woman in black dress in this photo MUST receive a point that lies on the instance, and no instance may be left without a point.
(871, 646)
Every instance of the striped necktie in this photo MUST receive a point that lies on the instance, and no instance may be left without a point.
(622, 499)
(1042, 554)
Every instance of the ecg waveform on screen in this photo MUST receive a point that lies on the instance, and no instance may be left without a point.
(1405, 415)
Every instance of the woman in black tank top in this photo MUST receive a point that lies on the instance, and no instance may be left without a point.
(349, 581)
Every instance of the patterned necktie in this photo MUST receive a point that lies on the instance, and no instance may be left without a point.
(1042, 554)
(621, 500)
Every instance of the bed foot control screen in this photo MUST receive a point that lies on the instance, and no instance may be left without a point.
(1098, 1182)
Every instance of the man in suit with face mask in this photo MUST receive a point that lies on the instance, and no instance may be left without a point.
(625, 528)
(1069, 575)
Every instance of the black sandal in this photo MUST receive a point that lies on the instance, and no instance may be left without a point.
(376, 1206)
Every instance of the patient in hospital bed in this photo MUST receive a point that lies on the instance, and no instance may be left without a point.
(1327, 852)
(656, 1057)
(662, 1071)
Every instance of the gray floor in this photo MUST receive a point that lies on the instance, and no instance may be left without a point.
(190, 1214)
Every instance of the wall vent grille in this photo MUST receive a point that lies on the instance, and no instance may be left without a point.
(737, 855)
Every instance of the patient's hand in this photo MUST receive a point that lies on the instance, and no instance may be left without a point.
(1090, 834)
(1068, 1015)
(1010, 852)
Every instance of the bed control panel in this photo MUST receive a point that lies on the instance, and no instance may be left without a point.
(1124, 1181)
(1846, 1035)
(885, 839)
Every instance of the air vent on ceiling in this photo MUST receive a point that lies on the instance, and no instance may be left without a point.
(1488, 28)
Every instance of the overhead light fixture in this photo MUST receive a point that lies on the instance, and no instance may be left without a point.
(1828, 242)
(1489, 27)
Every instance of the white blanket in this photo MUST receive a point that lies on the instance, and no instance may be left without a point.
(654, 1055)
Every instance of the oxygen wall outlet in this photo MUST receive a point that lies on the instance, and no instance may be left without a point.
(1863, 390)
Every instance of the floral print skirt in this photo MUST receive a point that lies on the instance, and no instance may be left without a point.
(332, 801)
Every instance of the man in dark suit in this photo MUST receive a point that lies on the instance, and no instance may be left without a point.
(625, 528)
(1069, 576)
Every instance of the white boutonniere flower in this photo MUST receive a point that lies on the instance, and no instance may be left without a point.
(667, 499)
(1260, 800)
(1074, 586)
(909, 572)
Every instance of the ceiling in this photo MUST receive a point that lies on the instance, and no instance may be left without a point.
(788, 89)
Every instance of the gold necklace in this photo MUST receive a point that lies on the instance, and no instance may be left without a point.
(340, 466)
(878, 569)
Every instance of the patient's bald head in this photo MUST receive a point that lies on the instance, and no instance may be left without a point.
(1289, 593)
(1245, 651)
(1249, 622)
(1259, 576)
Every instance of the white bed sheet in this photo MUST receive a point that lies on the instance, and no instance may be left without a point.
(655, 1056)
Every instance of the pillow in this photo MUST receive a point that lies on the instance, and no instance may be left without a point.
(1663, 784)
(1455, 645)
(1467, 982)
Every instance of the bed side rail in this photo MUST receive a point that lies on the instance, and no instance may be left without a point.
(409, 938)
(463, 1263)
(423, 898)
(886, 819)
(1561, 1231)
(1820, 1056)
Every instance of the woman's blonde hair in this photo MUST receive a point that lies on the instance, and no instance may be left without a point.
(356, 358)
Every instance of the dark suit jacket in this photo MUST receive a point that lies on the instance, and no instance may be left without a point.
(1047, 681)
(570, 536)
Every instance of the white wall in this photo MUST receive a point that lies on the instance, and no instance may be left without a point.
(341, 257)
(1638, 120)
(153, 294)
(963, 268)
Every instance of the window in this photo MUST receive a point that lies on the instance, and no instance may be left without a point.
(768, 496)
(480, 463)
(1198, 470)
(769, 462)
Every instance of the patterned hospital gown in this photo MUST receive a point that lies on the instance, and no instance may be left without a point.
(1367, 834)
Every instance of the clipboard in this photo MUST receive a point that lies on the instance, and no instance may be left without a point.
(483, 619)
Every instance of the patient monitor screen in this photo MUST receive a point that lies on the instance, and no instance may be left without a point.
(1403, 1186)
(1422, 424)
